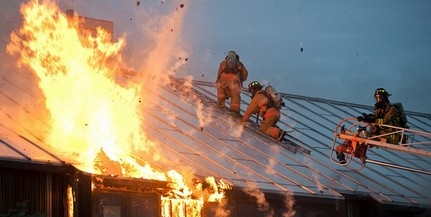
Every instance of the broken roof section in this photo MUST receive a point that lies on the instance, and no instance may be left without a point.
(192, 132)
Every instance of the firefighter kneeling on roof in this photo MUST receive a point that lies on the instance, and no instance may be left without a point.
(262, 105)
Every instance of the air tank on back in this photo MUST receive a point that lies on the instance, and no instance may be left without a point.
(275, 96)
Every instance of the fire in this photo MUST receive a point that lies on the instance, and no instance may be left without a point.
(94, 118)
(87, 108)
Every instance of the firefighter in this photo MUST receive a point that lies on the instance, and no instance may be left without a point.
(262, 105)
(384, 113)
(230, 76)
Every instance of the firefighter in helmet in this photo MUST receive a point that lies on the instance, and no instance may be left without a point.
(230, 76)
(261, 105)
(384, 113)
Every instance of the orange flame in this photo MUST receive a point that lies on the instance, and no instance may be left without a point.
(93, 117)
(89, 110)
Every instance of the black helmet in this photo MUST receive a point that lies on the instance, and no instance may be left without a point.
(381, 95)
(253, 87)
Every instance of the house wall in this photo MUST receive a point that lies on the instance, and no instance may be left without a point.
(123, 203)
(239, 204)
(43, 186)
(21, 185)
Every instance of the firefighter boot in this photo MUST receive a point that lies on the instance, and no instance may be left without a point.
(341, 158)
(281, 135)
(405, 139)
(364, 159)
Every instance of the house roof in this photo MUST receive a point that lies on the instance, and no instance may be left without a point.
(193, 132)
(309, 170)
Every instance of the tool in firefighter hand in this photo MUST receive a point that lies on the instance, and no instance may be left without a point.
(352, 142)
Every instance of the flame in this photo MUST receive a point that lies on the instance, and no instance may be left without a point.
(90, 111)
(218, 189)
(70, 198)
(94, 115)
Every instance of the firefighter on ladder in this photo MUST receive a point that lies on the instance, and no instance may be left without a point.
(230, 76)
(384, 113)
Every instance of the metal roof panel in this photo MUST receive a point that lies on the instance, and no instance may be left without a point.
(190, 131)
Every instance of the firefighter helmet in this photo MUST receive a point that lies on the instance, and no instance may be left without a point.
(232, 54)
(381, 95)
(253, 87)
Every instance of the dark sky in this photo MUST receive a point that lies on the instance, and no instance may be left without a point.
(349, 48)
(339, 50)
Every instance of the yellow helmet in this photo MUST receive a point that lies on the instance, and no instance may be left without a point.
(253, 87)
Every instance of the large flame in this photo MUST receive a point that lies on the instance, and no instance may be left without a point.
(94, 117)
(89, 110)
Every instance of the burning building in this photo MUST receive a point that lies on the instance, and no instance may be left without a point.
(90, 140)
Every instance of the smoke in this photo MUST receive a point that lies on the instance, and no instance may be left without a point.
(222, 209)
(164, 53)
(264, 206)
(152, 31)
(289, 203)
(270, 168)
(314, 174)
(202, 116)
(254, 191)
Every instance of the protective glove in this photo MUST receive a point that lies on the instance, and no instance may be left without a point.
(366, 118)
(371, 118)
